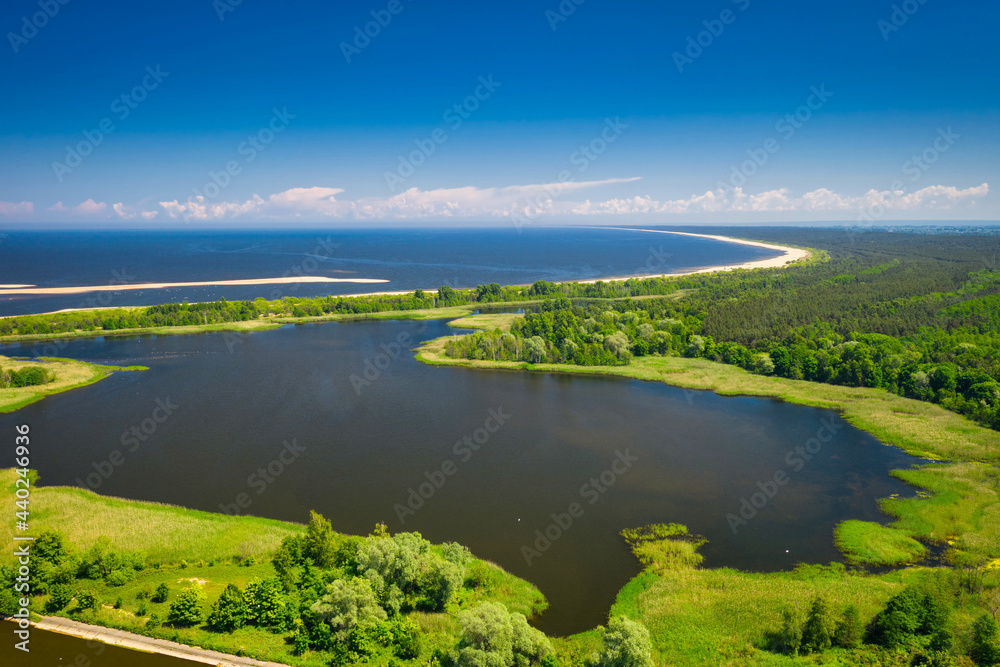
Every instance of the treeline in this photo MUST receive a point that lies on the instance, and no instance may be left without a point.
(26, 377)
(223, 311)
(918, 626)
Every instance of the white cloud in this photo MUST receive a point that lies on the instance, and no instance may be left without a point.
(934, 197)
(413, 203)
(87, 208)
(9, 209)
(314, 204)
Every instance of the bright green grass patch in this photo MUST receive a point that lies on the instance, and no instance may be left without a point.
(962, 508)
(69, 374)
(166, 533)
(869, 543)
(487, 321)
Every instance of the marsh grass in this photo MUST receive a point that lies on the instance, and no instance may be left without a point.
(869, 543)
(68, 374)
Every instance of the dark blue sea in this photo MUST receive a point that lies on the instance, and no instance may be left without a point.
(407, 259)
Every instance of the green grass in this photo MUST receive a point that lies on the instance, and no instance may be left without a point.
(165, 532)
(69, 374)
(869, 543)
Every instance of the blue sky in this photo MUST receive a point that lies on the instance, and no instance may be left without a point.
(239, 113)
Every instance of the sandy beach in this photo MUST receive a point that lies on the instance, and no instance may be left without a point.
(32, 289)
(788, 256)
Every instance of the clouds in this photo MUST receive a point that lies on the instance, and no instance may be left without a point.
(9, 209)
(86, 208)
(540, 200)
(822, 200)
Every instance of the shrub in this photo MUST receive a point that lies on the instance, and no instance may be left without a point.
(186, 609)
(161, 594)
(86, 600)
(626, 644)
(60, 596)
(984, 649)
(229, 611)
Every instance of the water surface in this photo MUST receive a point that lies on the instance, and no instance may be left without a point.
(692, 456)
(407, 259)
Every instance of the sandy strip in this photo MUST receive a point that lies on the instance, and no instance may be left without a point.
(31, 289)
(788, 256)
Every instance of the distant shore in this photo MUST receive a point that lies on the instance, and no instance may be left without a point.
(789, 255)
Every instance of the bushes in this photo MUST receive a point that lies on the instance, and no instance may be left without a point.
(161, 594)
(230, 611)
(493, 637)
(186, 609)
(626, 644)
(26, 377)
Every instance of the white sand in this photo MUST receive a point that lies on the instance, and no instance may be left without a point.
(789, 255)
(31, 289)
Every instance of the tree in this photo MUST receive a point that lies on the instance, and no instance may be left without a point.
(985, 650)
(487, 636)
(265, 604)
(320, 543)
(626, 644)
(762, 363)
(60, 597)
(349, 603)
(849, 630)
(161, 594)
(816, 632)
(229, 611)
(186, 609)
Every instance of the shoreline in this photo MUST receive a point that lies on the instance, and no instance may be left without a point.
(789, 256)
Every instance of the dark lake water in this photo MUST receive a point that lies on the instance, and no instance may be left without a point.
(628, 453)
(49, 649)
(408, 259)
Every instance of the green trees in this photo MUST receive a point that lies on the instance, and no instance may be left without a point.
(230, 611)
(26, 377)
(161, 594)
(494, 637)
(320, 543)
(186, 609)
(347, 604)
(626, 644)
(985, 649)
(818, 630)
(910, 617)
(265, 604)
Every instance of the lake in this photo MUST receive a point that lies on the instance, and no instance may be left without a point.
(522, 447)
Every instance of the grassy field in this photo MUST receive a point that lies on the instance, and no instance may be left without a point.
(69, 374)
